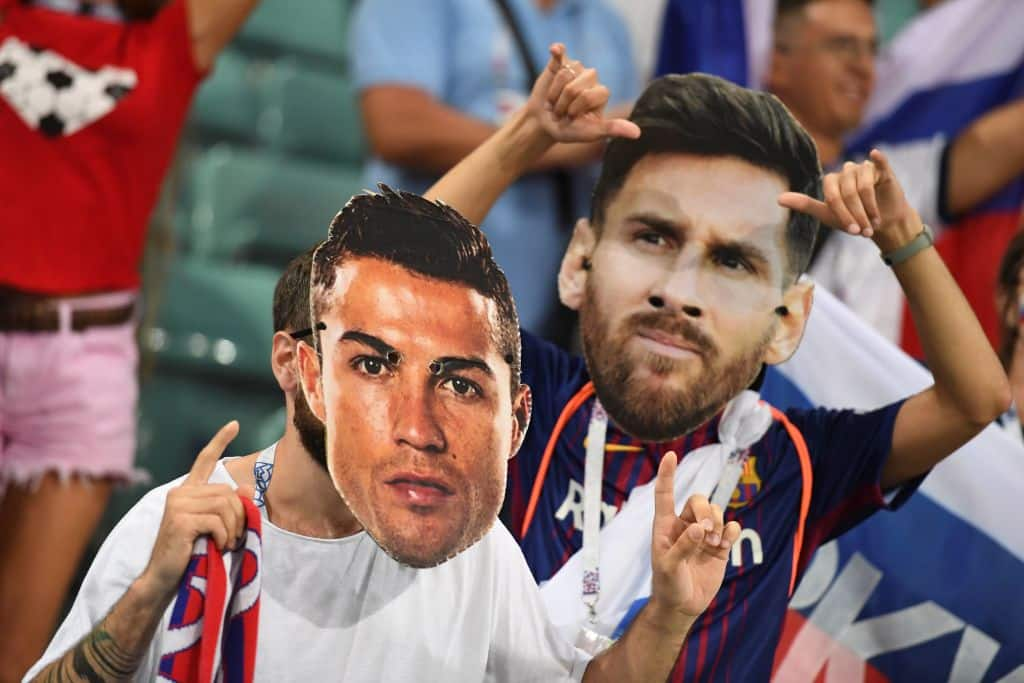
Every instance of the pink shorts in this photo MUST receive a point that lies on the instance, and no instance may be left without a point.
(68, 399)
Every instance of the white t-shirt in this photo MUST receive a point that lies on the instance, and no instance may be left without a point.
(850, 266)
(343, 610)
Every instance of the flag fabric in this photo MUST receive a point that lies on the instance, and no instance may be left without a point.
(214, 621)
(929, 593)
(932, 592)
(947, 67)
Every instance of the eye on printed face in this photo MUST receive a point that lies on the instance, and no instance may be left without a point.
(686, 275)
(418, 409)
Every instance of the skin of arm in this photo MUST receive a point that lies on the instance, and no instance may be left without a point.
(985, 157)
(566, 105)
(212, 24)
(408, 127)
(971, 389)
(113, 650)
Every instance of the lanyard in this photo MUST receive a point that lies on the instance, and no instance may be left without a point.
(593, 475)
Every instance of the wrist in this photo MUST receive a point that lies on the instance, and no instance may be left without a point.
(148, 589)
(896, 233)
(668, 619)
(524, 142)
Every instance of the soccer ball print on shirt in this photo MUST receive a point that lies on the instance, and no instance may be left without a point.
(54, 95)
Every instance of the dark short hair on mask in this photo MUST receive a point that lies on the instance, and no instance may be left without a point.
(424, 237)
(709, 116)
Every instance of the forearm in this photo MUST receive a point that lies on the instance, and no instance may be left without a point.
(646, 652)
(113, 650)
(967, 372)
(985, 157)
(479, 180)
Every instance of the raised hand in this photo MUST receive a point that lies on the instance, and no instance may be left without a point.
(862, 199)
(194, 509)
(568, 101)
(688, 551)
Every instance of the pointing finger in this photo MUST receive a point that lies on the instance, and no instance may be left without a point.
(207, 459)
(881, 162)
(664, 494)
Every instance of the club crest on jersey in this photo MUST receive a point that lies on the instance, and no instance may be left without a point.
(748, 486)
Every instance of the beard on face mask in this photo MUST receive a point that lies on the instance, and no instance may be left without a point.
(674, 408)
(311, 430)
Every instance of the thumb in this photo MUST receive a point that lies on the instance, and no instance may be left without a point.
(797, 201)
(621, 128)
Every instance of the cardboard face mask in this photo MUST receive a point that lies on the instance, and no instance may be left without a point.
(414, 391)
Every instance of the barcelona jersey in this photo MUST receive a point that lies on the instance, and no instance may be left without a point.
(736, 637)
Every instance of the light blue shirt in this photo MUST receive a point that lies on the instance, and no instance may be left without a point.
(461, 52)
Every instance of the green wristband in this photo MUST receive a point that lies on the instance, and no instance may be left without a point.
(924, 239)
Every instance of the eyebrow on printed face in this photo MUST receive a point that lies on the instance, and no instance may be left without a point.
(442, 365)
(745, 250)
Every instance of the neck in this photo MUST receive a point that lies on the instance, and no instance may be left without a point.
(302, 498)
(830, 147)
(546, 5)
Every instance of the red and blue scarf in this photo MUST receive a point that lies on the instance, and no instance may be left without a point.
(211, 635)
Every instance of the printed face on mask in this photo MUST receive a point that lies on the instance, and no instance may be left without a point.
(418, 406)
(684, 290)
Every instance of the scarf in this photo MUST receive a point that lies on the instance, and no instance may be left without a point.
(211, 635)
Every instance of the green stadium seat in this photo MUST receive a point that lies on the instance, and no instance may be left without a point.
(214, 321)
(316, 28)
(312, 113)
(229, 102)
(263, 208)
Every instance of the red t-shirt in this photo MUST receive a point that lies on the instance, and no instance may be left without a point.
(90, 113)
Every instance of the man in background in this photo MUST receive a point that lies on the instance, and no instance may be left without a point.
(436, 78)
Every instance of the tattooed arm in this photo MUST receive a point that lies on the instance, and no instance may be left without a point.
(113, 650)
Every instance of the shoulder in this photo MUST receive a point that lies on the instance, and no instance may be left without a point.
(837, 431)
(552, 373)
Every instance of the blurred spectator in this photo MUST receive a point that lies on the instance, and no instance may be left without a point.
(1010, 304)
(436, 77)
(92, 98)
(823, 69)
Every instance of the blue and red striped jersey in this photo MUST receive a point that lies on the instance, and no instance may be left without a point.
(736, 637)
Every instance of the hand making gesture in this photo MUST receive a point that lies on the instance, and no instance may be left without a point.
(689, 550)
(862, 199)
(196, 508)
(568, 101)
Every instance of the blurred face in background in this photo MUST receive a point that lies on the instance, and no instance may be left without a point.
(823, 65)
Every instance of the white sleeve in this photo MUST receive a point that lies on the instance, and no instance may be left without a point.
(120, 560)
(524, 645)
(918, 166)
